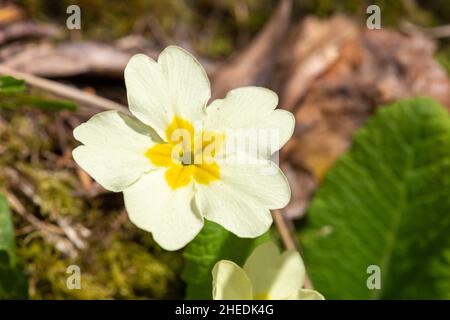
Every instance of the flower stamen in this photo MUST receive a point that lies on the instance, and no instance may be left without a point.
(185, 153)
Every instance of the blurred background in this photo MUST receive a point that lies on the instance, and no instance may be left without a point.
(328, 68)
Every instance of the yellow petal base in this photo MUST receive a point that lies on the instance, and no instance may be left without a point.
(185, 155)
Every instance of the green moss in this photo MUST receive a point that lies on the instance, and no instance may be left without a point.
(217, 28)
(119, 261)
(55, 190)
(48, 277)
(217, 47)
(135, 271)
(214, 28)
(113, 269)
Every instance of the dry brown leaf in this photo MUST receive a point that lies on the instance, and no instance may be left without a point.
(371, 68)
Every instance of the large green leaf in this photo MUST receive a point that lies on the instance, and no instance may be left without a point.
(386, 202)
(13, 282)
(214, 243)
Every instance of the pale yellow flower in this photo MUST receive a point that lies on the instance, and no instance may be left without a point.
(166, 192)
(266, 275)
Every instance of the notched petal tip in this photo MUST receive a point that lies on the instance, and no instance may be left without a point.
(81, 130)
(288, 121)
(137, 59)
(181, 51)
(256, 91)
(285, 197)
(174, 57)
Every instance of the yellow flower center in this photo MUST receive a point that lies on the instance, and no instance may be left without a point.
(262, 296)
(187, 155)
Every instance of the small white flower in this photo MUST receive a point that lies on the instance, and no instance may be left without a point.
(165, 191)
(266, 275)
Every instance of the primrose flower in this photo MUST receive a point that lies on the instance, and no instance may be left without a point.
(266, 275)
(174, 159)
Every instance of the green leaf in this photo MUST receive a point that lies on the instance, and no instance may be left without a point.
(13, 282)
(11, 85)
(6, 227)
(387, 203)
(49, 104)
(214, 243)
(13, 94)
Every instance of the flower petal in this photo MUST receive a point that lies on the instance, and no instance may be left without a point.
(251, 109)
(114, 149)
(306, 294)
(240, 107)
(148, 92)
(230, 282)
(274, 131)
(240, 200)
(176, 85)
(189, 86)
(170, 215)
(275, 275)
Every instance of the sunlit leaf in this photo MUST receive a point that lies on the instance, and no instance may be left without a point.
(386, 203)
(13, 282)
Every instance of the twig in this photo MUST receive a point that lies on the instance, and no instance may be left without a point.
(51, 233)
(285, 233)
(65, 228)
(38, 224)
(85, 179)
(64, 91)
(434, 32)
(289, 241)
(255, 63)
(22, 30)
(71, 233)
(440, 31)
